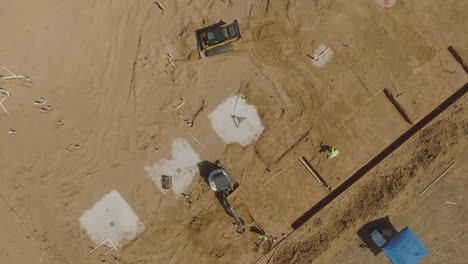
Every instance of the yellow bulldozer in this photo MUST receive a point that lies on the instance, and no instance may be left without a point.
(217, 38)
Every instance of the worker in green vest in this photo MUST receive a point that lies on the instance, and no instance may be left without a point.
(333, 153)
(263, 237)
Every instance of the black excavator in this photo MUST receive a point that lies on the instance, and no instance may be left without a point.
(223, 184)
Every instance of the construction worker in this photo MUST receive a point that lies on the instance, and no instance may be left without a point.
(263, 237)
(333, 153)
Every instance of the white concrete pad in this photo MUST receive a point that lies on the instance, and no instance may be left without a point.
(112, 217)
(182, 167)
(235, 121)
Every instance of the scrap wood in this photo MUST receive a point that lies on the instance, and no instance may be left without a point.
(40, 101)
(161, 6)
(6, 94)
(182, 102)
(316, 176)
(46, 109)
(172, 62)
(188, 122)
(102, 243)
(14, 76)
(170, 58)
(321, 54)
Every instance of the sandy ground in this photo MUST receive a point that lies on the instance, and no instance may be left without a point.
(111, 95)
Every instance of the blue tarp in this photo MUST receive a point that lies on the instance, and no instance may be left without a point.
(405, 248)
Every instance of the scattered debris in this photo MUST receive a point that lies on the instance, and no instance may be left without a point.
(14, 76)
(5, 94)
(46, 109)
(188, 198)
(188, 122)
(72, 147)
(171, 61)
(182, 102)
(40, 101)
(160, 6)
(11, 131)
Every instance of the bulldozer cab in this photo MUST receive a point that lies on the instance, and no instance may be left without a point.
(217, 38)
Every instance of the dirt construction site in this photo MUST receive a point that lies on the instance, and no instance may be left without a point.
(102, 101)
